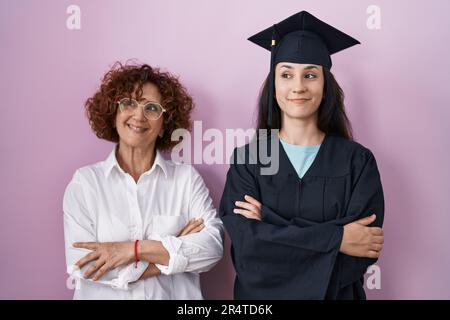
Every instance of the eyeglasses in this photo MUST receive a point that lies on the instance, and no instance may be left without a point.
(152, 110)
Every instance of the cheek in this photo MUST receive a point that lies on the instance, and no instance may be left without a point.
(318, 90)
(119, 123)
(156, 128)
(281, 91)
(159, 126)
(281, 88)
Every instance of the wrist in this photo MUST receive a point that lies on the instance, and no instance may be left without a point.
(135, 252)
(145, 249)
(152, 251)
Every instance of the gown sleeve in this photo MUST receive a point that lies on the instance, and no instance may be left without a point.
(262, 250)
(367, 198)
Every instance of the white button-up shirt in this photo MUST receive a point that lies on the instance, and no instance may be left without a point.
(103, 203)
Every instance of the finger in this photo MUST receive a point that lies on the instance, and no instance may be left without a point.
(247, 206)
(367, 220)
(376, 247)
(376, 231)
(373, 254)
(197, 229)
(191, 225)
(89, 257)
(92, 269)
(186, 227)
(86, 245)
(253, 201)
(101, 272)
(246, 213)
(378, 239)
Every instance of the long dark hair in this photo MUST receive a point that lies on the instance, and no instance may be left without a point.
(331, 118)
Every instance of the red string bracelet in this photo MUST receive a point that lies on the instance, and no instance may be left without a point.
(135, 253)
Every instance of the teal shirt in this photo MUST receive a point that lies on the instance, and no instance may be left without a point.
(301, 157)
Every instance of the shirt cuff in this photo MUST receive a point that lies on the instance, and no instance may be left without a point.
(129, 274)
(118, 278)
(177, 261)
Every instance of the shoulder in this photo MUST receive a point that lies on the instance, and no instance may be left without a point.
(342, 147)
(346, 145)
(89, 176)
(82, 183)
(254, 152)
(90, 172)
(348, 155)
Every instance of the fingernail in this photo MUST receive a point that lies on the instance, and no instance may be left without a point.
(235, 210)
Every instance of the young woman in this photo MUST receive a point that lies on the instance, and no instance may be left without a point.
(138, 226)
(310, 230)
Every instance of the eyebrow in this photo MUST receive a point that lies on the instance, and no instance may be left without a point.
(311, 67)
(306, 68)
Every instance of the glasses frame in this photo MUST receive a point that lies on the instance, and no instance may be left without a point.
(143, 105)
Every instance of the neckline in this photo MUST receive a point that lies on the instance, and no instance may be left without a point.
(311, 168)
(299, 148)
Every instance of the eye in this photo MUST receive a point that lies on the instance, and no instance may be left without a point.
(127, 103)
(310, 76)
(286, 75)
(152, 107)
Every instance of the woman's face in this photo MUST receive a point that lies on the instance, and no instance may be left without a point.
(134, 129)
(299, 89)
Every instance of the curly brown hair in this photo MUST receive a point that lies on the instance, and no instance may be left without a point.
(124, 80)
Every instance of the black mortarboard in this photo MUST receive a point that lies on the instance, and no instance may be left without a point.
(301, 38)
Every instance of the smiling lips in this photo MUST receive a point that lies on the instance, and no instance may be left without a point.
(136, 128)
(299, 100)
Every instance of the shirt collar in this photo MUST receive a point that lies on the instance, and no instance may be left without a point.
(111, 163)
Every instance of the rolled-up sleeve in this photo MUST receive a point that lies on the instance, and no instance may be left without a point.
(197, 252)
(79, 227)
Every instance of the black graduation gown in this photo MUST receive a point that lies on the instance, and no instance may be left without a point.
(293, 252)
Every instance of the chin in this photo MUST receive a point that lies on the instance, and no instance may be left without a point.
(301, 115)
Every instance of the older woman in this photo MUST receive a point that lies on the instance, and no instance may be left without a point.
(136, 225)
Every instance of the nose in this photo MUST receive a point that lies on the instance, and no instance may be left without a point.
(299, 86)
(139, 113)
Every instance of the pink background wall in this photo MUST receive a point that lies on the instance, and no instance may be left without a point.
(396, 87)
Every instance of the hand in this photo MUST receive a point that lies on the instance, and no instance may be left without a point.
(108, 255)
(250, 208)
(359, 240)
(193, 226)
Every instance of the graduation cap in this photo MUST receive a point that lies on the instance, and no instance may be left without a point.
(301, 38)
